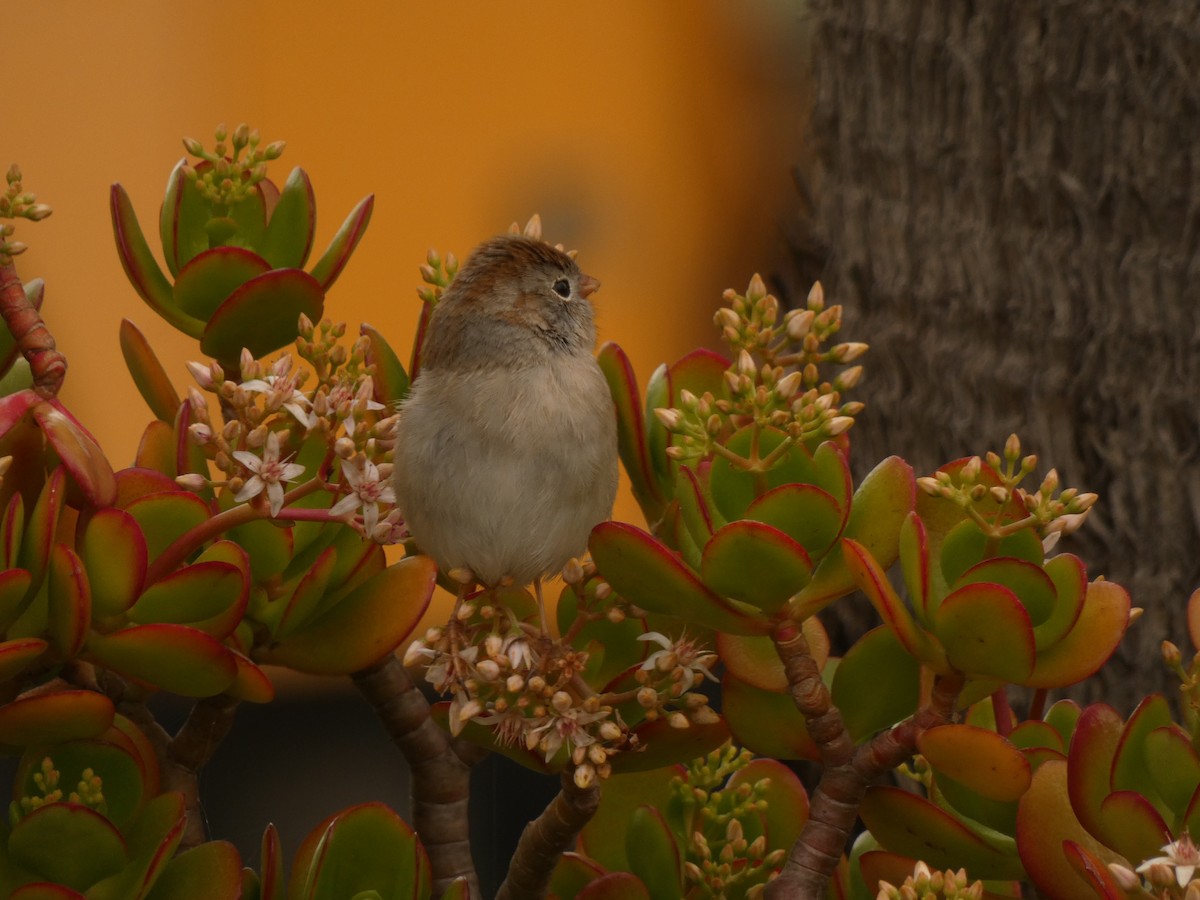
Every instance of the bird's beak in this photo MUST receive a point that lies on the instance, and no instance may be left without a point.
(588, 286)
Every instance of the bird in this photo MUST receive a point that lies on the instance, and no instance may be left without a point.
(505, 453)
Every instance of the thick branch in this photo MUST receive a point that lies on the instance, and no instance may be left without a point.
(47, 365)
(440, 775)
(847, 772)
(193, 745)
(546, 838)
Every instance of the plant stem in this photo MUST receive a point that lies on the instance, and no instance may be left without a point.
(47, 365)
(847, 771)
(192, 747)
(441, 770)
(546, 838)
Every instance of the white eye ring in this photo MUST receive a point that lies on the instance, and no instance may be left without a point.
(562, 287)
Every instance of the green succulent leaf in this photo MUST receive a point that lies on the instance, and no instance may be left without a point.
(1069, 577)
(390, 380)
(666, 745)
(262, 313)
(1090, 642)
(19, 654)
(806, 513)
(615, 886)
(290, 227)
(766, 722)
(1092, 750)
(734, 488)
(210, 596)
(39, 841)
(986, 632)
(631, 430)
(114, 555)
(148, 373)
(210, 871)
(79, 453)
(15, 586)
(654, 854)
(573, 872)
(141, 267)
(977, 758)
(643, 571)
(38, 537)
(174, 657)
(336, 255)
(55, 717)
(1174, 767)
(780, 565)
(152, 839)
(870, 703)
(306, 598)
(165, 517)
(1131, 767)
(180, 225)
(211, 276)
(70, 601)
(694, 511)
(602, 839)
(335, 643)
(613, 646)
(906, 823)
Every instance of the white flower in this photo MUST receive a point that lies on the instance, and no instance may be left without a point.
(279, 388)
(683, 652)
(367, 490)
(270, 473)
(1182, 855)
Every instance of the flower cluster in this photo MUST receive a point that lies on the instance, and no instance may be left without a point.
(17, 203)
(924, 884)
(1167, 877)
(529, 688)
(720, 861)
(1051, 511)
(228, 178)
(267, 416)
(89, 792)
(775, 380)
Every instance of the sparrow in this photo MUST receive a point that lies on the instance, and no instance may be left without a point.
(506, 445)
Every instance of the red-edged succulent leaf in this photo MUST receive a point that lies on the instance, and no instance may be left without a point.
(141, 267)
(1069, 576)
(877, 511)
(643, 571)
(734, 489)
(1093, 871)
(362, 848)
(189, 456)
(1063, 716)
(81, 456)
(70, 601)
(694, 511)
(127, 736)
(914, 563)
(14, 588)
(653, 853)
(44, 890)
(156, 449)
(766, 722)
(666, 745)
(1092, 750)
(152, 843)
(209, 277)
(986, 631)
(966, 545)
(977, 758)
(872, 580)
(210, 596)
(174, 657)
(602, 839)
(1131, 768)
(868, 702)
(1045, 821)
(631, 429)
(1132, 826)
(390, 381)
(170, 227)
(755, 660)
(261, 315)
(615, 886)
(306, 598)
(787, 801)
(756, 564)
(114, 554)
(210, 871)
(38, 536)
(1032, 734)
(251, 683)
(138, 481)
(1174, 767)
(333, 260)
(148, 373)
(572, 873)
(272, 885)
(335, 643)
(1028, 583)
(96, 848)
(167, 516)
(291, 223)
(12, 527)
(658, 396)
(55, 717)
(1089, 644)
(906, 823)
(18, 655)
(806, 513)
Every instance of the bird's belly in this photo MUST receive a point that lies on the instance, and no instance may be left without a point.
(506, 473)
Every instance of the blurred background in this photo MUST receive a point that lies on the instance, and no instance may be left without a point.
(656, 138)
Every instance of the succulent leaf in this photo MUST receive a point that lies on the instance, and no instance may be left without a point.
(148, 373)
(868, 702)
(210, 277)
(291, 223)
(261, 314)
(766, 722)
(173, 657)
(96, 849)
(781, 566)
(334, 259)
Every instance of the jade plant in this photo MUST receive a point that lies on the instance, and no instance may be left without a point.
(683, 681)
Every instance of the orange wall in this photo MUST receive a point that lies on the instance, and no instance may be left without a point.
(654, 137)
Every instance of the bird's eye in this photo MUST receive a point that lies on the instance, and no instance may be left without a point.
(562, 287)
